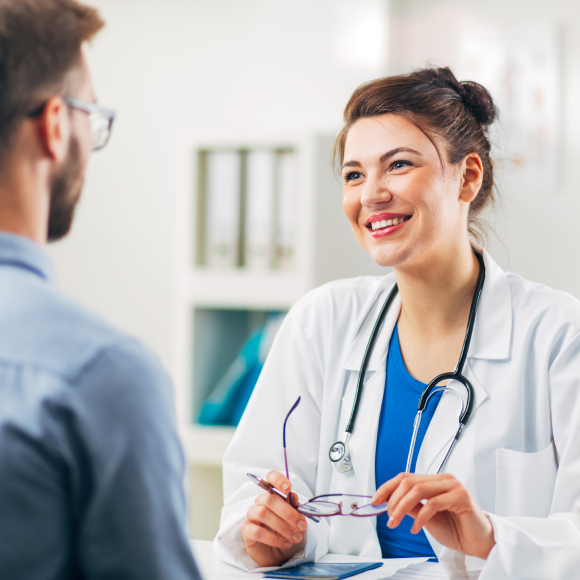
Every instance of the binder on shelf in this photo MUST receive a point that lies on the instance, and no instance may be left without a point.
(259, 242)
(222, 202)
(226, 403)
(285, 210)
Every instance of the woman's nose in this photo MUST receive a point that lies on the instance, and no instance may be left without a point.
(375, 192)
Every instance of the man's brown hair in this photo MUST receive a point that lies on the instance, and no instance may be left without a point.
(40, 45)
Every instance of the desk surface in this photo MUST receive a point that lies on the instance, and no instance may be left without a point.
(212, 569)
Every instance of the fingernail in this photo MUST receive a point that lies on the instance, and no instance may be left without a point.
(287, 544)
(285, 487)
(296, 537)
(390, 523)
(302, 526)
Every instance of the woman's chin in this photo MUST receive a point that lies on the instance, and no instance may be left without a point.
(389, 258)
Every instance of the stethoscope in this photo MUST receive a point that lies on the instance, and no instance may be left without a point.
(339, 452)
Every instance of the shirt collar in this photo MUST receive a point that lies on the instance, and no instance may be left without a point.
(21, 252)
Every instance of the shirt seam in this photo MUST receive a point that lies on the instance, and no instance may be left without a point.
(68, 379)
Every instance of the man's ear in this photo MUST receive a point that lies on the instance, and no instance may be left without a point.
(54, 127)
(471, 177)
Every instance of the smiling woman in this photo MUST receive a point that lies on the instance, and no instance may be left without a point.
(443, 110)
(365, 354)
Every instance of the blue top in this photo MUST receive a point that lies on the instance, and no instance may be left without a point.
(398, 411)
(90, 462)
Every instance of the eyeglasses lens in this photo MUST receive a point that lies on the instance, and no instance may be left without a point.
(319, 508)
(100, 129)
(370, 510)
(348, 505)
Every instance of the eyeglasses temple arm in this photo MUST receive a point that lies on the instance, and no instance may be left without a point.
(290, 498)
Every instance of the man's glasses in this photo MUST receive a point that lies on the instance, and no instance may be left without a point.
(330, 504)
(100, 119)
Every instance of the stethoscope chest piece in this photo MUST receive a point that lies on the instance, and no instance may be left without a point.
(340, 455)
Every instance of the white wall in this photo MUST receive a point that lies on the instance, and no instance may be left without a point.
(537, 225)
(174, 67)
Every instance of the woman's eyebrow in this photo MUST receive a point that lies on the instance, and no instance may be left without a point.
(384, 156)
(393, 152)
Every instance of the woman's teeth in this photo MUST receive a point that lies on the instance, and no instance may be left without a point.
(386, 223)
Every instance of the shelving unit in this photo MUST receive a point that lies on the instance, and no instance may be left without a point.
(217, 308)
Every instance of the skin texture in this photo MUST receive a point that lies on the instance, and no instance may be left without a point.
(49, 156)
(391, 166)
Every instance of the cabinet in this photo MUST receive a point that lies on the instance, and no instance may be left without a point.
(217, 308)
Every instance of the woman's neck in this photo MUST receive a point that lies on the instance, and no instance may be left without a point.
(436, 295)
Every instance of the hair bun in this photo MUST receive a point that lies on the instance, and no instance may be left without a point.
(478, 101)
(475, 97)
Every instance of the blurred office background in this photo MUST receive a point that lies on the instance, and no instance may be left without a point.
(258, 82)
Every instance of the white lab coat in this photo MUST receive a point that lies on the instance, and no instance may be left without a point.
(519, 455)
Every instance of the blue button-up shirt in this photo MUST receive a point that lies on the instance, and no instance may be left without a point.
(90, 463)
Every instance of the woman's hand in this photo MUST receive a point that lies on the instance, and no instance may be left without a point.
(449, 513)
(274, 531)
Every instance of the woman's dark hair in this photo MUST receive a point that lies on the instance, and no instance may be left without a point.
(459, 113)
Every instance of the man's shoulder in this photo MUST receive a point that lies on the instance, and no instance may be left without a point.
(49, 330)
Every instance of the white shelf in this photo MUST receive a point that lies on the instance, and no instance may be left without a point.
(204, 445)
(242, 288)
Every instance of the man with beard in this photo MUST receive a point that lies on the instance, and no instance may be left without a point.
(90, 463)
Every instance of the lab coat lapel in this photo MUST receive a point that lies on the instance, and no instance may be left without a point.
(363, 440)
(492, 333)
(491, 340)
(445, 422)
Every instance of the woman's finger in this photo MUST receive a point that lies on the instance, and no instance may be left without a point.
(253, 533)
(412, 495)
(280, 481)
(283, 510)
(385, 491)
(408, 480)
(457, 500)
(262, 515)
(388, 488)
(435, 505)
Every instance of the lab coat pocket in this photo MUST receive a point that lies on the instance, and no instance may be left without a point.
(525, 482)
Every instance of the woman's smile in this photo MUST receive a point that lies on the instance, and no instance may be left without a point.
(385, 224)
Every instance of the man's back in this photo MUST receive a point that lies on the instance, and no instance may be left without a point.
(90, 463)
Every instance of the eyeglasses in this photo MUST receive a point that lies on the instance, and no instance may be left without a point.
(330, 504)
(100, 119)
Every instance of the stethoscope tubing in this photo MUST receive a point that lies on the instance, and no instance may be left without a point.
(456, 375)
(366, 357)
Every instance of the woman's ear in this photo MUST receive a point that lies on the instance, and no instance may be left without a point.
(471, 177)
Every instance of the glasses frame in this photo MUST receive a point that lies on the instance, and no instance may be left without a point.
(91, 109)
(340, 506)
(313, 500)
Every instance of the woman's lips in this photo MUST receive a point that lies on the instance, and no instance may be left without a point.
(387, 227)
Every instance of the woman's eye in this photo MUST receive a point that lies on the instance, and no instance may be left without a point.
(352, 175)
(400, 164)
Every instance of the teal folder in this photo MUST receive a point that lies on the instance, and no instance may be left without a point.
(222, 402)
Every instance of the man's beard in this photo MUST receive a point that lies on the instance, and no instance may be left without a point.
(65, 190)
